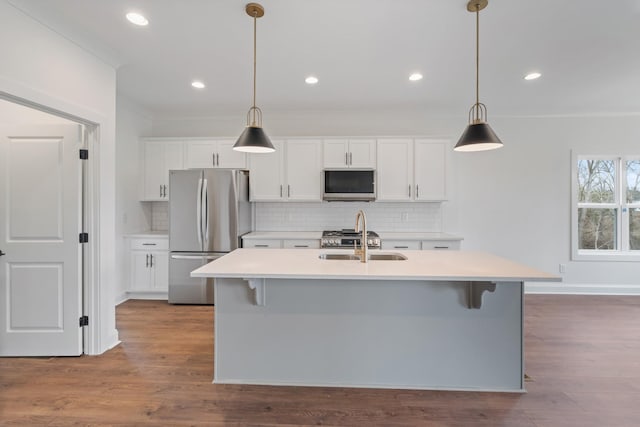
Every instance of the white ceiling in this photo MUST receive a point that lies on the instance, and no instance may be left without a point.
(363, 53)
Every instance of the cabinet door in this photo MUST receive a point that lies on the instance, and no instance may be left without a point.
(140, 271)
(160, 268)
(201, 154)
(228, 157)
(304, 170)
(262, 243)
(266, 177)
(362, 153)
(336, 153)
(394, 179)
(154, 171)
(430, 162)
(173, 159)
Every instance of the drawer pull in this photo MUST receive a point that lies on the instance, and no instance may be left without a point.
(401, 247)
(300, 246)
(148, 244)
(261, 246)
(441, 247)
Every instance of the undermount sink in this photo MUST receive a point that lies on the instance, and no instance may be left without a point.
(370, 257)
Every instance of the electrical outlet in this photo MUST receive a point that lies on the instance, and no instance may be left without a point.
(562, 268)
(404, 217)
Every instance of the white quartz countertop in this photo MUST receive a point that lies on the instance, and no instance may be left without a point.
(283, 235)
(149, 234)
(384, 235)
(420, 265)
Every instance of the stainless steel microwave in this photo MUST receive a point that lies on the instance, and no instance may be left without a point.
(349, 185)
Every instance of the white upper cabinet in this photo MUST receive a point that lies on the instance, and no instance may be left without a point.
(357, 153)
(266, 174)
(430, 169)
(394, 171)
(217, 153)
(412, 170)
(160, 157)
(293, 172)
(304, 170)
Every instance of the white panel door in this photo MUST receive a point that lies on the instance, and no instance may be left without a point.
(154, 171)
(40, 219)
(201, 154)
(230, 158)
(336, 153)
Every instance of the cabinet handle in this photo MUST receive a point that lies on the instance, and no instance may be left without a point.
(147, 263)
(165, 191)
(300, 246)
(401, 247)
(441, 247)
(261, 246)
(409, 191)
(346, 158)
(280, 191)
(213, 159)
(288, 190)
(417, 191)
(148, 244)
(151, 263)
(217, 159)
(160, 190)
(350, 158)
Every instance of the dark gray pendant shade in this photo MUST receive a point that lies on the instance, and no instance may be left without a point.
(478, 137)
(254, 140)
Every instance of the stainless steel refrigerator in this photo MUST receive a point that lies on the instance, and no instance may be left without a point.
(209, 210)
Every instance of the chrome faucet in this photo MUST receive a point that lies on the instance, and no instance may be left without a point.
(362, 252)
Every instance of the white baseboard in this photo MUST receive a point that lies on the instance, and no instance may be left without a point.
(148, 295)
(580, 289)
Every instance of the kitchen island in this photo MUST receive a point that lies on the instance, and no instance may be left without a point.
(450, 320)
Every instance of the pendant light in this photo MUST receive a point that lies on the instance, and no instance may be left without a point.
(478, 136)
(253, 139)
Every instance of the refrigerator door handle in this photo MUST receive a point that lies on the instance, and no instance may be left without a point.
(205, 213)
(199, 212)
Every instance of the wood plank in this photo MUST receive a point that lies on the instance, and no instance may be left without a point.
(581, 354)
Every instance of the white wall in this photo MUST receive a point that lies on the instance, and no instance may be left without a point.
(514, 202)
(41, 66)
(132, 216)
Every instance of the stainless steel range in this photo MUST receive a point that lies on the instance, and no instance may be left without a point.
(348, 238)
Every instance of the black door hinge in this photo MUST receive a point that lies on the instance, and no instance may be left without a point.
(84, 154)
(84, 237)
(84, 321)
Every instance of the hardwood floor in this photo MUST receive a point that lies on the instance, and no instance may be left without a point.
(582, 354)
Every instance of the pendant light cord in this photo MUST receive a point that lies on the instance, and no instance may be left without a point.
(477, 61)
(255, 19)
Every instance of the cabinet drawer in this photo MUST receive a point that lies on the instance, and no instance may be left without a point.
(401, 244)
(150, 244)
(301, 244)
(262, 243)
(440, 244)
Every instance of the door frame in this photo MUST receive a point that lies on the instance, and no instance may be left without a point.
(96, 336)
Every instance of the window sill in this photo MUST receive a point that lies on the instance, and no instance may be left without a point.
(592, 255)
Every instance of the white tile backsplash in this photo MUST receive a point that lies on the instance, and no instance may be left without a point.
(409, 217)
(159, 216)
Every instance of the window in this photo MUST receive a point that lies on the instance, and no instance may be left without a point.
(606, 207)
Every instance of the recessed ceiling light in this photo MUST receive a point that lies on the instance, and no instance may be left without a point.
(415, 77)
(197, 84)
(532, 76)
(136, 18)
(311, 80)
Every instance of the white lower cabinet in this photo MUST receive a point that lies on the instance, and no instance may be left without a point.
(301, 244)
(401, 244)
(262, 243)
(421, 245)
(149, 267)
(440, 244)
(281, 243)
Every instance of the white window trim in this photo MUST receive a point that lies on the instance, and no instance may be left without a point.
(622, 254)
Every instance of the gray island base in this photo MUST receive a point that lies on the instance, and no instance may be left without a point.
(438, 320)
